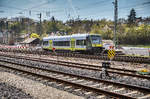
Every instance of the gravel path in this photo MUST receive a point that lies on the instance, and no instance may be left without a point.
(35, 89)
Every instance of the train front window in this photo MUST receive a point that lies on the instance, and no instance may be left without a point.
(96, 39)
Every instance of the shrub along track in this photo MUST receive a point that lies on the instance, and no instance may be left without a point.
(104, 88)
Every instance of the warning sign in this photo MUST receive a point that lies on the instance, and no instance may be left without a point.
(111, 53)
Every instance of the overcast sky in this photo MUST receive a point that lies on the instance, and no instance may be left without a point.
(66, 9)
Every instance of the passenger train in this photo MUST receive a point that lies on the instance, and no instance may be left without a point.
(91, 43)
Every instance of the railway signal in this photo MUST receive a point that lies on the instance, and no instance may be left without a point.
(54, 50)
(105, 66)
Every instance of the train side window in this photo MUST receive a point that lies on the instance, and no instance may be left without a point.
(45, 43)
(81, 42)
(66, 43)
(54, 43)
(61, 43)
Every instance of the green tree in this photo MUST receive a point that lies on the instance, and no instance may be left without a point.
(96, 29)
(132, 17)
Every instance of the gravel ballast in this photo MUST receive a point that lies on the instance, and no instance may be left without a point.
(82, 72)
(11, 92)
(35, 89)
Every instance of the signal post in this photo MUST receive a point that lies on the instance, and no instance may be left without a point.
(54, 50)
(106, 65)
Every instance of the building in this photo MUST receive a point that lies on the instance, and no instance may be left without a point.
(31, 42)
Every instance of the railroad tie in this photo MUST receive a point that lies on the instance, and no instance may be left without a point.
(39, 79)
(58, 76)
(31, 76)
(119, 89)
(87, 93)
(78, 81)
(65, 77)
(54, 74)
(145, 97)
(25, 74)
(45, 80)
(59, 84)
(77, 89)
(72, 79)
(135, 78)
(50, 82)
(107, 87)
(95, 85)
(87, 82)
(19, 73)
(133, 92)
(101, 96)
(67, 87)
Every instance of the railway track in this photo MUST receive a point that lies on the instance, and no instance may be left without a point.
(123, 58)
(103, 88)
(124, 72)
(118, 57)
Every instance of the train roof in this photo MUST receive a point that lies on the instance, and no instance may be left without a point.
(68, 36)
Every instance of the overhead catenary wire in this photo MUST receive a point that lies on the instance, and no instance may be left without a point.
(74, 10)
(94, 4)
(125, 8)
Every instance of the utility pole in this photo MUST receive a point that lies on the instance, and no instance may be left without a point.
(7, 32)
(115, 21)
(29, 27)
(40, 16)
(40, 25)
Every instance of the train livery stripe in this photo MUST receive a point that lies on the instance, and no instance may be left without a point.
(96, 45)
(75, 49)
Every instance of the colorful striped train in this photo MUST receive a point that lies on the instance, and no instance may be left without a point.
(84, 43)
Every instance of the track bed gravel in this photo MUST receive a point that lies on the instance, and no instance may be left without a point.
(10, 92)
(35, 89)
(114, 64)
(83, 72)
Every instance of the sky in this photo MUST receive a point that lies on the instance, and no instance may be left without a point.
(72, 9)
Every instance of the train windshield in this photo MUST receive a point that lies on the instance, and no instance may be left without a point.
(96, 39)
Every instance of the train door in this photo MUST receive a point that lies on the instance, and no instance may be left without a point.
(73, 44)
(50, 44)
(88, 43)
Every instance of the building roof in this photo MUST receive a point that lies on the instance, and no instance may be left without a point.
(29, 40)
(24, 35)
